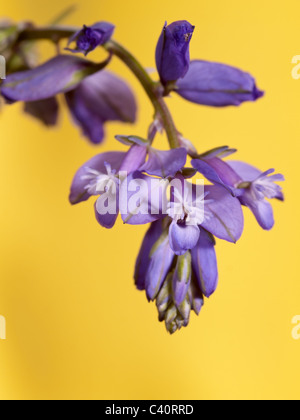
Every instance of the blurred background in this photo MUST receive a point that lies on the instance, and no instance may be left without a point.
(76, 326)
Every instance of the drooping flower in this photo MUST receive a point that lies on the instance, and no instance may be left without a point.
(93, 97)
(90, 37)
(100, 98)
(172, 51)
(250, 185)
(218, 85)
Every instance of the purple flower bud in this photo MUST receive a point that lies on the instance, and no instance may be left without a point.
(90, 37)
(172, 51)
(182, 278)
(161, 258)
(143, 260)
(217, 85)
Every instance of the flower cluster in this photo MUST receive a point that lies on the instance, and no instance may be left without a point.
(93, 95)
(177, 265)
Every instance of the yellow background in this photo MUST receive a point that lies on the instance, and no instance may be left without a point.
(76, 326)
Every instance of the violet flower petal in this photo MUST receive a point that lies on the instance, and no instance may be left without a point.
(165, 164)
(183, 237)
(225, 216)
(181, 278)
(99, 98)
(218, 172)
(142, 199)
(143, 260)
(134, 159)
(204, 264)
(248, 173)
(214, 84)
(261, 209)
(160, 264)
(109, 219)
(58, 75)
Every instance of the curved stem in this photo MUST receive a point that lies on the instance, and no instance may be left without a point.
(51, 33)
(153, 90)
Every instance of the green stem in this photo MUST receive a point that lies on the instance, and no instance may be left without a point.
(153, 89)
(51, 33)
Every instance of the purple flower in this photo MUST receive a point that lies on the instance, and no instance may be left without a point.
(256, 187)
(172, 51)
(90, 37)
(100, 98)
(251, 186)
(101, 176)
(94, 97)
(186, 211)
(216, 211)
(219, 85)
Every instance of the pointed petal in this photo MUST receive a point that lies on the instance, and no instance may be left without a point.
(58, 75)
(160, 264)
(226, 219)
(196, 296)
(111, 203)
(143, 259)
(217, 172)
(182, 278)
(183, 237)
(78, 189)
(142, 199)
(134, 159)
(262, 211)
(165, 163)
(204, 263)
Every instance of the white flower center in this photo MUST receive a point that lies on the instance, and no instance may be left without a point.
(99, 182)
(264, 186)
(185, 209)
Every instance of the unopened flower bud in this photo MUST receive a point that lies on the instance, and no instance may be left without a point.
(172, 52)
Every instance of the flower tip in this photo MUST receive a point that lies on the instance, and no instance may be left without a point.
(257, 93)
